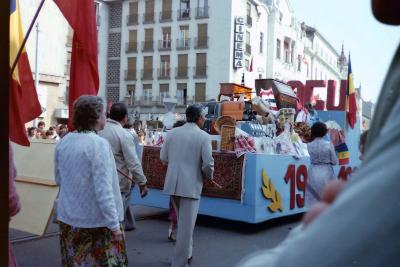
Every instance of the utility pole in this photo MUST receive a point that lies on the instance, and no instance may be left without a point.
(36, 65)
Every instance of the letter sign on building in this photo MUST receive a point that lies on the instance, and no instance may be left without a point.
(238, 43)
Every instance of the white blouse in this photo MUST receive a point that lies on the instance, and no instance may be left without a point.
(89, 189)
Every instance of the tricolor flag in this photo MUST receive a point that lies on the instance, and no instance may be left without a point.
(24, 104)
(351, 98)
(84, 75)
(343, 153)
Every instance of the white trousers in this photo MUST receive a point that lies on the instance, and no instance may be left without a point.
(187, 209)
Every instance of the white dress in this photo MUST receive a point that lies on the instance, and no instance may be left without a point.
(322, 157)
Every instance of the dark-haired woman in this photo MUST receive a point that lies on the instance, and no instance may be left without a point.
(89, 207)
(322, 157)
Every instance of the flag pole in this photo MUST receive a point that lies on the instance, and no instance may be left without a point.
(26, 37)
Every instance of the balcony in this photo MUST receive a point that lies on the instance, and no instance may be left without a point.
(165, 16)
(202, 12)
(163, 73)
(248, 49)
(183, 44)
(164, 45)
(131, 47)
(146, 101)
(184, 14)
(130, 75)
(181, 72)
(148, 18)
(132, 19)
(147, 74)
(249, 21)
(201, 42)
(200, 72)
(148, 46)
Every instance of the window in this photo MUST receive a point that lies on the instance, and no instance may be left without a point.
(201, 65)
(181, 93)
(165, 43)
(248, 46)
(278, 49)
(202, 9)
(183, 41)
(292, 52)
(133, 13)
(132, 44)
(166, 13)
(184, 10)
(164, 92)
(299, 63)
(182, 71)
(163, 71)
(246, 64)
(147, 68)
(286, 51)
(202, 36)
(131, 73)
(130, 93)
(147, 92)
(200, 92)
(148, 40)
(261, 42)
(149, 12)
(249, 20)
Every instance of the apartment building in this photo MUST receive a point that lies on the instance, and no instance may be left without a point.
(297, 51)
(150, 50)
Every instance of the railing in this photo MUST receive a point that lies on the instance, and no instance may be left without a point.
(200, 72)
(183, 44)
(184, 14)
(132, 19)
(202, 12)
(249, 21)
(181, 72)
(201, 42)
(165, 15)
(163, 73)
(131, 47)
(248, 49)
(130, 75)
(147, 74)
(164, 45)
(148, 18)
(146, 100)
(147, 46)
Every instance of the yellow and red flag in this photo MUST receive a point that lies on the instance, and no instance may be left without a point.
(351, 98)
(24, 104)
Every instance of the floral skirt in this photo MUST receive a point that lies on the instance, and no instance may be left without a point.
(91, 247)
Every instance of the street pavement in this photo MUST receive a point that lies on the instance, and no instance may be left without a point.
(217, 242)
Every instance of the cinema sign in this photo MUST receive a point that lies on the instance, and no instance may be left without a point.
(238, 43)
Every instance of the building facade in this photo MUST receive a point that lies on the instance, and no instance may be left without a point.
(182, 49)
(52, 58)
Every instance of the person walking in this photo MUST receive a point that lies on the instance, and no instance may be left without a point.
(89, 209)
(322, 157)
(126, 159)
(188, 153)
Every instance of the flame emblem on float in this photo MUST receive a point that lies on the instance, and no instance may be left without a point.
(269, 192)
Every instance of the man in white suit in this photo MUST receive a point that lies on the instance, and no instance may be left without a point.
(188, 153)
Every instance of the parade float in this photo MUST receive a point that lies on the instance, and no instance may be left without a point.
(259, 147)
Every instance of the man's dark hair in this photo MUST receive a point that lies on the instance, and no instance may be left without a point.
(193, 112)
(318, 129)
(118, 111)
(41, 123)
(178, 124)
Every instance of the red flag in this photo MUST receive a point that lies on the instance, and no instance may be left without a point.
(251, 65)
(84, 75)
(351, 98)
(24, 104)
